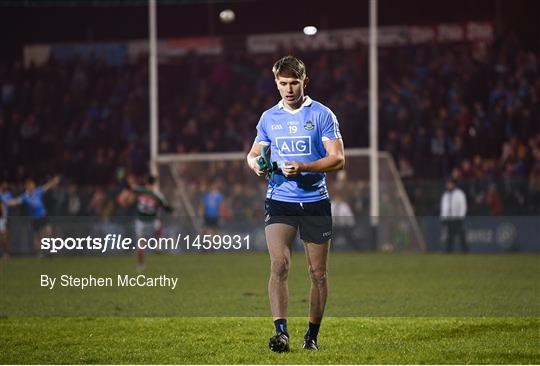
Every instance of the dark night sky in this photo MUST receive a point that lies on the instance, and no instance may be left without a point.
(40, 22)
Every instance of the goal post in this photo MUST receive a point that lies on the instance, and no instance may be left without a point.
(185, 177)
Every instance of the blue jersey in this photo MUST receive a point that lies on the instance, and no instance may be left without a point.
(4, 199)
(212, 203)
(297, 136)
(34, 202)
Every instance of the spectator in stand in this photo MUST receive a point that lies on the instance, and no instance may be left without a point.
(494, 201)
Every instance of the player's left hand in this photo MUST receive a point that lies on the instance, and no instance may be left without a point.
(292, 169)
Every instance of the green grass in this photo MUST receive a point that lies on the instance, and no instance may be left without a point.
(383, 308)
(243, 340)
(235, 285)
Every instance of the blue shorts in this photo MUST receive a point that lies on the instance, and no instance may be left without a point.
(211, 222)
(313, 219)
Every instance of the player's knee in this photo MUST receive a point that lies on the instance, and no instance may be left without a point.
(280, 268)
(318, 275)
(47, 230)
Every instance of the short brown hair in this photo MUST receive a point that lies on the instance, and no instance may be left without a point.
(289, 66)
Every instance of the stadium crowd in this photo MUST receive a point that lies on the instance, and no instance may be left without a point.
(471, 111)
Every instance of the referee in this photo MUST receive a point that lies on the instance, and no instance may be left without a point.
(453, 211)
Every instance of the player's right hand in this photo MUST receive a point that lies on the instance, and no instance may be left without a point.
(255, 166)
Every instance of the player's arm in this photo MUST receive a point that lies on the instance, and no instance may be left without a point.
(51, 183)
(164, 204)
(131, 184)
(14, 202)
(252, 156)
(334, 160)
(168, 208)
(261, 141)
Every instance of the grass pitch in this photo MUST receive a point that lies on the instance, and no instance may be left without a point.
(383, 308)
(243, 340)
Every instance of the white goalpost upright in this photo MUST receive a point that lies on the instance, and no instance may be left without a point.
(373, 122)
(153, 84)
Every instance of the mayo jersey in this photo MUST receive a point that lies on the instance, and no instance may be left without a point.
(148, 203)
(297, 136)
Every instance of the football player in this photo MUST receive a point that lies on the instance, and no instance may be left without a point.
(305, 143)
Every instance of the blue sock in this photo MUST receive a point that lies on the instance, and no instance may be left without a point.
(313, 330)
(281, 326)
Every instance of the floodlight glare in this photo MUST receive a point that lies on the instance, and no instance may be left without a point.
(310, 30)
(227, 16)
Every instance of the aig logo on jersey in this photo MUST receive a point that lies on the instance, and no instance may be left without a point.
(294, 145)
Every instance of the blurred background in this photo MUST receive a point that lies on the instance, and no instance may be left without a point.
(459, 96)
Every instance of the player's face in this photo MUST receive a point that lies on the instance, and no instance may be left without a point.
(291, 90)
(30, 185)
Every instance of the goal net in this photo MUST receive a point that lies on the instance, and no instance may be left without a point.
(185, 179)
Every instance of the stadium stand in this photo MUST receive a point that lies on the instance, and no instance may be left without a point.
(467, 110)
